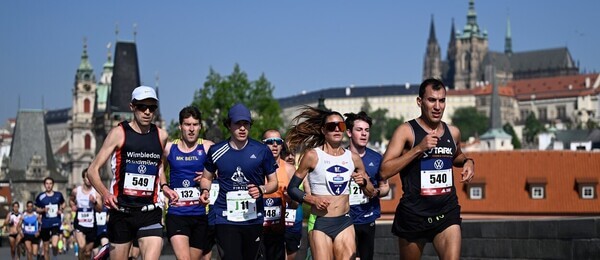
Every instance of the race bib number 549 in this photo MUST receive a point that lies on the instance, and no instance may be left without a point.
(140, 185)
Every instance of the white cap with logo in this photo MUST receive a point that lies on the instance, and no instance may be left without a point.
(143, 92)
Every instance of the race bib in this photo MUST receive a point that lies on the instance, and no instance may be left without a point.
(85, 218)
(337, 178)
(214, 193)
(240, 206)
(52, 211)
(290, 217)
(436, 176)
(29, 229)
(139, 185)
(101, 218)
(188, 196)
(357, 196)
(272, 213)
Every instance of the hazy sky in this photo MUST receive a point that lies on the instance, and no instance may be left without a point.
(299, 45)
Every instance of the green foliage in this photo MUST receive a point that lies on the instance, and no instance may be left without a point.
(173, 130)
(532, 128)
(470, 122)
(508, 128)
(220, 93)
(378, 127)
(391, 126)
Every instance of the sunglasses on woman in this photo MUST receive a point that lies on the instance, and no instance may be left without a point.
(331, 126)
(143, 107)
(273, 141)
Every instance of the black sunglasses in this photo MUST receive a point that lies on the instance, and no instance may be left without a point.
(272, 141)
(331, 126)
(143, 107)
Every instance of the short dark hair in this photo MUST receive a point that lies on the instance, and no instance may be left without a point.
(436, 84)
(189, 111)
(84, 172)
(351, 117)
(49, 178)
(15, 203)
(29, 201)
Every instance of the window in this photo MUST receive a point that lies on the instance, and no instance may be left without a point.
(587, 192)
(476, 193)
(586, 187)
(86, 105)
(87, 142)
(537, 187)
(543, 114)
(537, 192)
(561, 112)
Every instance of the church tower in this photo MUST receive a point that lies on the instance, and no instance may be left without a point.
(468, 51)
(432, 62)
(83, 145)
(508, 39)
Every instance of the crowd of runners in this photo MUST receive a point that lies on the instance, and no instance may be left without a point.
(244, 197)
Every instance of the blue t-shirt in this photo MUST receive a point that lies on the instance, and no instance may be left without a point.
(183, 168)
(51, 218)
(371, 210)
(237, 169)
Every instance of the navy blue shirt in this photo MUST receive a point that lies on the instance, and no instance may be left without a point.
(371, 209)
(237, 169)
(51, 218)
(183, 168)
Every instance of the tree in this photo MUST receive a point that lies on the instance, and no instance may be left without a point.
(378, 125)
(220, 93)
(391, 126)
(532, 128)
(508, 128)
(470, 122)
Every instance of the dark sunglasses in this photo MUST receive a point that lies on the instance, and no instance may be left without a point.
(331, 126)
(277, 141)
(143, 107)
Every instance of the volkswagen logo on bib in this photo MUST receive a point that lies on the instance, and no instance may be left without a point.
(142, 169)
(185, 183)
(438, 164)
(269, 202)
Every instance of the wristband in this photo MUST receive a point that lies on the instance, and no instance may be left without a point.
(262, 190)
(164, 184)
(468, 159)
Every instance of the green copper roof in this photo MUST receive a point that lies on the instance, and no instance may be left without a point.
(84, 65)
(495, 133)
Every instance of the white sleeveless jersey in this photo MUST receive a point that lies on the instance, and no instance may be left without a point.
(332, 174)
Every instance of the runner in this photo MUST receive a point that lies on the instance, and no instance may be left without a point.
(101, 243)
(365, 210)
(29, 227)
(136, 148)
(329, 168)
(84, 200)
(11, 227)
(293, 210)
(242, 164)
(186, 218)
(274, 224)
(50, 204)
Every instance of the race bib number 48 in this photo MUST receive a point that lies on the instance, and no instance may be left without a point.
(139, 185)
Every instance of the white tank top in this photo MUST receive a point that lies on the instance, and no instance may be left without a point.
(85, 209)
(332, 174)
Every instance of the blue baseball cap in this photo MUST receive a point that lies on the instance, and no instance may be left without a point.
(238, 113)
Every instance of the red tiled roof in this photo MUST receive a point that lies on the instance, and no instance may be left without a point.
(505, 175)
(554, 87)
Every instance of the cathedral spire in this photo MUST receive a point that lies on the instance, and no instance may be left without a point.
(508, 40)
(471, 14)
(452, 33)
(432, 38)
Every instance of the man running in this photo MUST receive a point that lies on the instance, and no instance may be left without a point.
(365, 210)
(29, 228)
(50, 204)
(84, 200)
(136, 148)
(242, 164)
(423, 151)
(186, 218)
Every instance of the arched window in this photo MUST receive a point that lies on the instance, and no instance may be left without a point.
(87, 142)
(86, 105)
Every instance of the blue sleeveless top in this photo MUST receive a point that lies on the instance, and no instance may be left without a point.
(183, 168)
(30, 224)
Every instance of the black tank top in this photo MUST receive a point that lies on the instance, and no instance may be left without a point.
(427, 182)
(136, 167)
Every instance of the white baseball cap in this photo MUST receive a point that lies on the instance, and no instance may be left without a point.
(143, 92)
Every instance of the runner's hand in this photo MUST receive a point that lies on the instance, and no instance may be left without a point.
(204, 197)
(170, 194)
(254, 191)
(110, 201)
(198, 177)
(321, 203)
